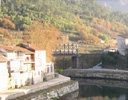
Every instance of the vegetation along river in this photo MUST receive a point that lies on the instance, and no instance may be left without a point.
(96, 89)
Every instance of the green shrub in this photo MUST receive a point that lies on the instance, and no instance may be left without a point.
(60, 70)
(45, 79)
(54, 99)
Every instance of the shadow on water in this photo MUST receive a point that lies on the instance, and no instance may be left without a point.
(97, 89)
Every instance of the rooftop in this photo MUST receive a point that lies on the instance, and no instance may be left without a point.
(16, 48)
(2, 59)
(23, 49)
(10, 48)
(32, 46)
(111, 47)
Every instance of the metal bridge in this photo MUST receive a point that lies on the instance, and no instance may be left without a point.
(66, 50)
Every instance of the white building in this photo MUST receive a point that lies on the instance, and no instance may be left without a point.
(14, 56)
(110, 49)
(122, 44)
(102, 41)
(18, 68)
(40, 62)
(26, 65)
(3, 74)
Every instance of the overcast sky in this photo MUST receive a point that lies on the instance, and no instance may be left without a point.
(119, 5)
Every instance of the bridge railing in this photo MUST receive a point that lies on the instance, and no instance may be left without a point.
(66, 49)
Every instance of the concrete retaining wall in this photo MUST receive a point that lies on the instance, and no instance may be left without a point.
(53, 92)
(97, 73)
(55, 87)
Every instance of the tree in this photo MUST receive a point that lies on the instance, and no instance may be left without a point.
(43, 35)
(95, 32)
(6, 23)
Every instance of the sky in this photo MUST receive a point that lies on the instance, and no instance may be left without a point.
(116, 5)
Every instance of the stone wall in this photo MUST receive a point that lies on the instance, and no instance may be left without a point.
(103, 82)
(97, 73)
(53, 92)
(88, 60)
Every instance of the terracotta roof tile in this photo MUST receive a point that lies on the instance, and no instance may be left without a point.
(8, 48)
(33, 46)
(111, 47)
(23, 49)
(16, 48)
(2, 59)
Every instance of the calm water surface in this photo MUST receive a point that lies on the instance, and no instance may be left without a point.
(94, 89)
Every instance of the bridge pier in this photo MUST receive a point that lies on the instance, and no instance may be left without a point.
(75, 62)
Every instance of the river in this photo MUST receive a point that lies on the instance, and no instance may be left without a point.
(96, 89)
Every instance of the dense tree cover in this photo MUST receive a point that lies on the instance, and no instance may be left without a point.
(5, 33)
(6, 23)
(87, 18)
(43, 35)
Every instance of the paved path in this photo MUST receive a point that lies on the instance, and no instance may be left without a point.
(10, 94)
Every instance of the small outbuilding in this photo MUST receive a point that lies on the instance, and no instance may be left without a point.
(110, 49)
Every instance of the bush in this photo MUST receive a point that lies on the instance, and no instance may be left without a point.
(59, 70)
(56, 75)
(54, 99)
(45, 79)
(108, 59)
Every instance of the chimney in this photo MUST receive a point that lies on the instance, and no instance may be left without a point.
(28, 44)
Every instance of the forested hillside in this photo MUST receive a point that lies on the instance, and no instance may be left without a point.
(87, 19)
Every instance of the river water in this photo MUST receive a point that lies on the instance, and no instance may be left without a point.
(96, 89)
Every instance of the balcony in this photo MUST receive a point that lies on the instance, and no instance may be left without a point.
(30, 61)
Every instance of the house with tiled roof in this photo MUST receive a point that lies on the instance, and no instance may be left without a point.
(110, 49)
(24, 64)
(122, 44)
(41, 67)
(39, 58)
(15, 57)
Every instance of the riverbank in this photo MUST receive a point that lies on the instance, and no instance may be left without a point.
(12, 94)
(97, 73)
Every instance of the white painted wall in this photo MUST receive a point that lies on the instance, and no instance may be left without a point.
(37, 76)
(27, 78)
(3, 76)
(11, 55)
(122, 45)
(16, 65)
(21, 79)
(49, 69)
(15, 54)
(40, 60)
